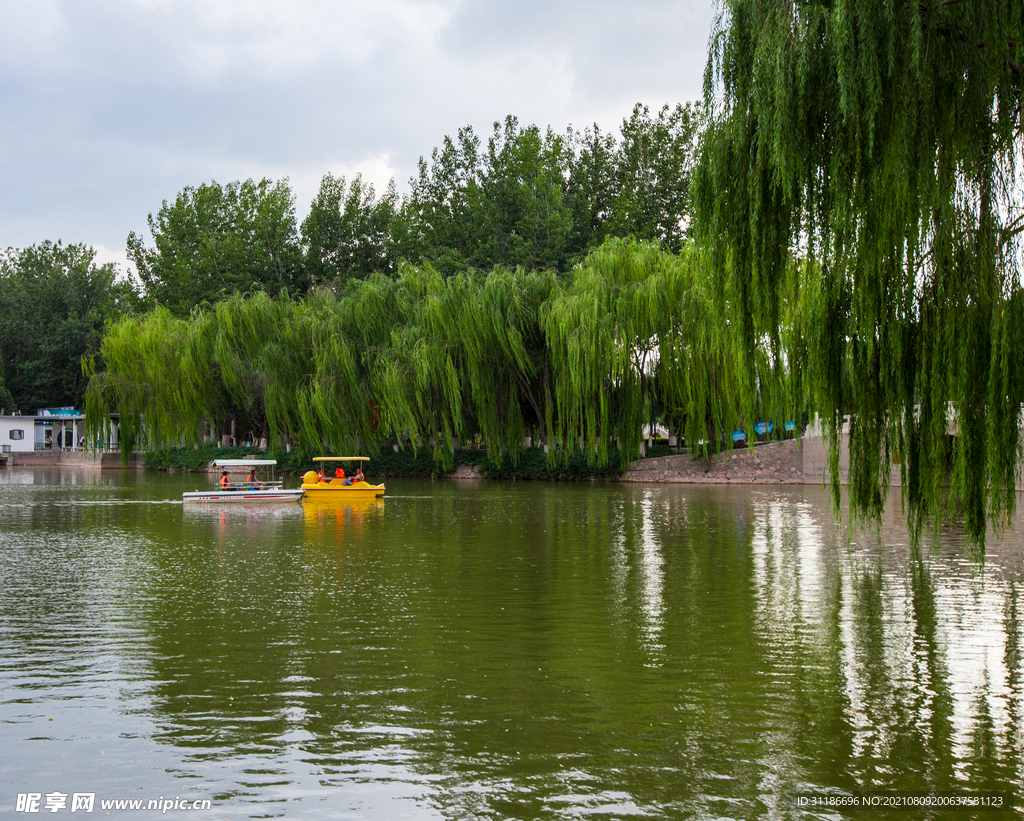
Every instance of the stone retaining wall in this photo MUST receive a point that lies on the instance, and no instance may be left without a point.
(779, 463)
(78, 459)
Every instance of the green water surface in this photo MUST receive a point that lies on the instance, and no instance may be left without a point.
(488, 650)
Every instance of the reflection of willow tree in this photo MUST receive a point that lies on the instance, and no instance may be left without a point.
(931, 702)
(420, 357)
(996, 739)
(883, 142)
(881, 677)
(1014, 670)
(885, 715)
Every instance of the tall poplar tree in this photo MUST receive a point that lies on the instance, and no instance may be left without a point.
(216, 239)
(882, 142)
(349, 233)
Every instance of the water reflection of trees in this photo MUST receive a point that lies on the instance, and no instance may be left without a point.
(920, 648)
(573, 649)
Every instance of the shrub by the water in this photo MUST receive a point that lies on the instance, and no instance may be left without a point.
(195, 459)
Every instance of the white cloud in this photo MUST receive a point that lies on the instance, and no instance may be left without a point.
(116, 256)
(27, 31)
(115, 105)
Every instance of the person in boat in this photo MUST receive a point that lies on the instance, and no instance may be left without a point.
(348, 482)
(320, 476)
(225, 484)
(255, 485)
(359, 475)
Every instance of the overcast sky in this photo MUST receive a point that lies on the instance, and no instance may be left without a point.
(109, 107)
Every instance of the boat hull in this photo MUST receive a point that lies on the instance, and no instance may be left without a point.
(245, 496)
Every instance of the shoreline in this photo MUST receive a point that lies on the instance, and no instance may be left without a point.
(800, 461)
(775, 463)
(791, 462)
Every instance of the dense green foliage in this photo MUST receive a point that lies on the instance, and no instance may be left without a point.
(639, 333)
(530, 199)
(544, 200)
(533, 463)
(193, 459)
(350, 233)
(215, 240)
(7, 403)
(578, 364)
(881, 143)
(504, 205)
(54, 301)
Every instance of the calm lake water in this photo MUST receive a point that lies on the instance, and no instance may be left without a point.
(484, 650)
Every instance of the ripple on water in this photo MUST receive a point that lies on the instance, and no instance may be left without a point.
(503, 651)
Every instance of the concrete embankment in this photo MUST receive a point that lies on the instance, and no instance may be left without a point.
(794, 462)
(75, 459)
(777, 463)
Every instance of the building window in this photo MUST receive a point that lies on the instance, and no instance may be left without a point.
(17, 434)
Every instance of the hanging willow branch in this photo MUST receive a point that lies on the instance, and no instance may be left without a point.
(881, 142)
(421, 358)
(638, 328)
(160, 378)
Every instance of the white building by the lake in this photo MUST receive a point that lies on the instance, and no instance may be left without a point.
(51, 429)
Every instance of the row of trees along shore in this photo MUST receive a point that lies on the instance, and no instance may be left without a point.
(524, 198)
(54, 303)
(836, 228)
(578, 363)
(531, 199)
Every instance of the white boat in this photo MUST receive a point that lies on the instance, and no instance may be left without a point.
(266, 490)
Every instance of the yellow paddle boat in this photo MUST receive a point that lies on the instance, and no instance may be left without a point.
(319, 485)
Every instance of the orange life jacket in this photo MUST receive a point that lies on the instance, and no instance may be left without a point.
(224, 483)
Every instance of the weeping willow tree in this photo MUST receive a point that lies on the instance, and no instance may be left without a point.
(159, 376)
(244, 352)
(879, 144)
(638, 330)
(505, 356)
(602, 333)
(169, 378)
(454, 357)
(415, 358)
(310, 369)
(410, 323)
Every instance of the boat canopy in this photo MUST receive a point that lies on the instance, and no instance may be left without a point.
(244, 463)
(341, 459)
